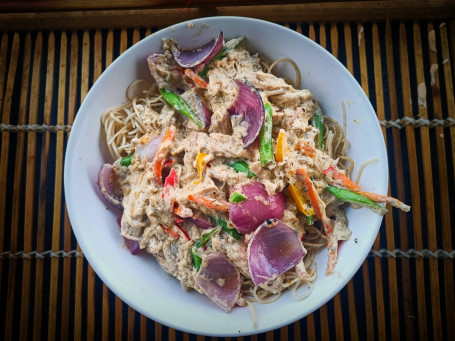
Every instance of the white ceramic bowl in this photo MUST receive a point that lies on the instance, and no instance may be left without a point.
(138, 280)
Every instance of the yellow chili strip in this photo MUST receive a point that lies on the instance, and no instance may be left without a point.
(200, 164)
(300, 201)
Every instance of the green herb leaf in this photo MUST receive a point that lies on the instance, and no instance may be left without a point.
(179, 104)
(265, 142)
(205, 238)
(126, 161)
(237, 197)
(241, 166)
(224, 226)
(197, 260)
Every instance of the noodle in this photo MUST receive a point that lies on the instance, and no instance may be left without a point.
(296, 83)
(124, 123)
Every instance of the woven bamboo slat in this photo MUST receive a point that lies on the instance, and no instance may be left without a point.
(405, 287)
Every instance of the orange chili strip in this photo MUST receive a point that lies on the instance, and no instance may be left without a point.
(161, 154)
(332, 242)
(389, 200)
(210, 203)
(342, 180)
(196, 79)
(281, 146)
(305, 148)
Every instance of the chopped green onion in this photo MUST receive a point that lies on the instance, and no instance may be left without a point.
(237, 197)
(355, 198)
(205, 238)
(241, 166)
(181, 106)
(230, 45)
(319, 119)
(265, 144)
(126, 161)
(224, 226)
(197, 260)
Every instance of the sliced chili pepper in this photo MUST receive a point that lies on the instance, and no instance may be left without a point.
(210, 203)
(162, 152)
(346, 195)
(340, 179)
(199, 166)
(319, 118)
(183, 231)
(300, 201)
(305, 148)
(281, 146)
(389, 200)
(181, 106)
(265, 138)
(196, 78)
(170, 232)
(170, 181)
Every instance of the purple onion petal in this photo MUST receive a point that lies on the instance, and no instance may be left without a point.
(201, 223)
(274, 249)
(132, 245)
(149, 150)
(259, 206)
(219, 280)
(249, 104)
(204, 113)
(106, 176)
(189, 58)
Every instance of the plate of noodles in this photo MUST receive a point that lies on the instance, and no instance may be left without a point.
(226, 176)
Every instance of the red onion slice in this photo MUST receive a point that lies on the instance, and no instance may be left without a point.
(274, 249)
(201, 223)
(259, 206)
(132, 245)
(219, 280)
(106, 179)
(204, 113)
(189, 58)
(149, 150)
(249, 104)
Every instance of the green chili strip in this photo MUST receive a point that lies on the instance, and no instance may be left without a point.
(237, 197)
(265, 142)
(241, 166)
(197, 260)
(355, 198)
(126, 161)
(180, 104)
(205, 238)
(319, 119)
(224, 226)
(310, 220)
(230, 45)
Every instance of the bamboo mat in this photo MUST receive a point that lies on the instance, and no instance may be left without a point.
(404, 290)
